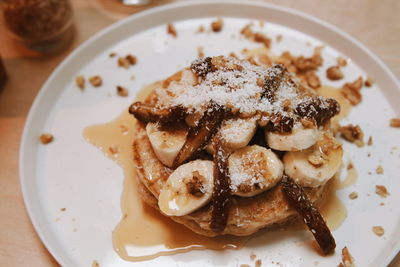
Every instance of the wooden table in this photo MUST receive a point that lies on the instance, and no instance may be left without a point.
(374, 23)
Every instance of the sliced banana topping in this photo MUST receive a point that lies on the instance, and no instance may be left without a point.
(236, 133)
(314, 166)
(298, 139)
(254, 169)
(166, 143)
(187, 189)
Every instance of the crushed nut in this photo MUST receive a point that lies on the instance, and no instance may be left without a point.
(200, 29)
(351, 91)
(342, 62)
(200, 51)
(46, 138)
(95, 264)
(370, 142)
(312, 80)
(80, 82)
(112, 54)
(63, 209)
(395, 122)
(261, 38)
(123, 62)
(244, 265)
(368, 82)
(347, 259)
(122, 91)
(217, 25)
(353, 134)
(279, 37)
(258, 263)
(131, 59)
(253, 256)
(255, 37)
(353, 195)
(334, 73)
(379, 170)
(96, 81)
(171, 30)
(381, 191)
(378, 230)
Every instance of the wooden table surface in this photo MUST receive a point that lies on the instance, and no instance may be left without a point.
(375, 23)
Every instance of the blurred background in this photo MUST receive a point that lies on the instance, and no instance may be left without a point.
(30, 52)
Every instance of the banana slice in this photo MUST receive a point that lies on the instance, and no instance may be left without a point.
(316, 165)
(236, 133)
(298, 139)
(188, 188)
(166, 143)
(253, 169)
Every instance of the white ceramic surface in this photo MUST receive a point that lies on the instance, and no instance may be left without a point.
(70, 173)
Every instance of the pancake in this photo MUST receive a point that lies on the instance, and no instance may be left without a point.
(247, 215)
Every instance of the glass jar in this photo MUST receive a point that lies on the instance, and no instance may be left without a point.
(40, 24)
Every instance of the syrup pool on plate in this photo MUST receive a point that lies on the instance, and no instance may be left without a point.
(143, 233)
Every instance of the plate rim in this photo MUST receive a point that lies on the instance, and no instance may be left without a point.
(24, 144)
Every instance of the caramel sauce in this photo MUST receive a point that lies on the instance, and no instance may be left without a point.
(143, 233)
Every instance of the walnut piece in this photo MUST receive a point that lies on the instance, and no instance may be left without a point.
(46, 138)
(347, 259)
(312, 80)
(122, 91)
(351, 91)
(368, 82)
(200, 51)
(334, 73)
(217, 25)
(80, 82)
(353, 195)
(395, 122)
(381, 191)
(342, 62)
(370, 141)
(379, 170)
(96, 81)
(171, 30)
(353, 134)
(378, 230)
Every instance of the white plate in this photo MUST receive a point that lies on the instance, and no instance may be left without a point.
(69, 173)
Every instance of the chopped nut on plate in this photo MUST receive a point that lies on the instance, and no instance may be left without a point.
(112, 54)
(379, 170)
(341, 61)
(381, 190)
(217, 25)
(395, 122)
(253, 256)
(368, 82)
(334, 73)
(80, 82)
(200, 29)
(123, 62)
(200, 51)
(353, 195)
(96, 81)
(370, 142)
(312, 80)
(347, 259)
(258, 263)
(46, 138)
(171, 30)
(351, 91)
(122, 91)
(131, 59)
(378, 230)
(353, 134)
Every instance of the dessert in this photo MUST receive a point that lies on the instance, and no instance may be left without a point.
(230, 147)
